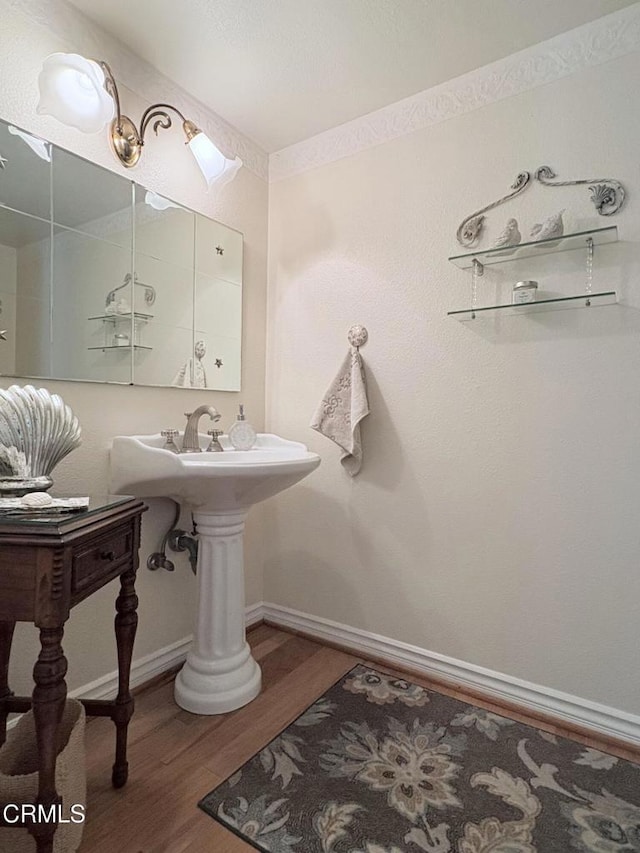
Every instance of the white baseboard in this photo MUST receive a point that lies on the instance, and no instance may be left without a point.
(145, 668)
(564, 707)
(148, 667)
(254, 613)
(142, 670)
(603, 719)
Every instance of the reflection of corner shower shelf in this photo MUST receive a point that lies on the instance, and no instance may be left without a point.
(126, 348)
(584, 300)
(113, 317)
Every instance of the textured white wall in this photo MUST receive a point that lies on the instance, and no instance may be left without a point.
(496, 517)
(166, 601)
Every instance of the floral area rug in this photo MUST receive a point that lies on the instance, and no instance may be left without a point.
(380, 765)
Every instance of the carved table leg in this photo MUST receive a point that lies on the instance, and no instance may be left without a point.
(49, 695)
(126, 623)
(6, 636)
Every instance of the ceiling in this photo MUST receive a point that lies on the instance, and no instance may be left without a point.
(283, 70)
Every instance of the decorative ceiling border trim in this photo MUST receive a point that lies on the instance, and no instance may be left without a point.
(84, 36)
(589, 45)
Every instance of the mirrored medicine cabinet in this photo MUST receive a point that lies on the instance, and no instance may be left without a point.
(102, 280)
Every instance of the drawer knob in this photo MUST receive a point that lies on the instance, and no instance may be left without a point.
(108, 555)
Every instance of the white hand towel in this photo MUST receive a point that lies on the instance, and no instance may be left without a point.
(343, 407)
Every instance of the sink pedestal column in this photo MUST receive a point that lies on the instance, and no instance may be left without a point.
(220, 674)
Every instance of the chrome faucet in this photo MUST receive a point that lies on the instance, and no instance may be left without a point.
(191, 442)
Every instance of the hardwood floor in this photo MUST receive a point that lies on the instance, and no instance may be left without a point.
(175, 757)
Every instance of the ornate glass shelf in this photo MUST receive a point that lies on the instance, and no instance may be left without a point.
(583, 300)
(537, 248)
(123, 347)
(137, 316)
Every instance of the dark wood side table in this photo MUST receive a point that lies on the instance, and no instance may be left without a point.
(47, 566)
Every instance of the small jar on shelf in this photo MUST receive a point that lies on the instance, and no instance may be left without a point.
(524, 292)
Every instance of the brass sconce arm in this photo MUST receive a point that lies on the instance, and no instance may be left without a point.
(82, 93)
(162, 118)
(126, 139)
(112, 89)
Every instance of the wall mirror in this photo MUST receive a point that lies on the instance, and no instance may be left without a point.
(102, 280)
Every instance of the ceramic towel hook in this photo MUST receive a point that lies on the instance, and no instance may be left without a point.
(358, 336)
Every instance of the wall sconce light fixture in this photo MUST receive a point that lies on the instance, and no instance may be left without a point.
(82, 93)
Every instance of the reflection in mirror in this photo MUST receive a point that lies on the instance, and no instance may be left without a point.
(218, 301)
(103, 280)
(90, 199)
(25, 172)
(25, 269)
(164, 260)
(85, 342)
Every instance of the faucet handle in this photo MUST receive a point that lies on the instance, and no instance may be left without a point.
(169, 435)
(214, 444)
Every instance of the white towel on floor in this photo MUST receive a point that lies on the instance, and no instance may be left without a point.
(342, 408)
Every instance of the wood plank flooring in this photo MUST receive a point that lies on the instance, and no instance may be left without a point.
(175, 757)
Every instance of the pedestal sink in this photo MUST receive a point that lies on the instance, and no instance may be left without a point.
(220, 674)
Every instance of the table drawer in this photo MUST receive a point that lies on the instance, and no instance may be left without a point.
(99, 555)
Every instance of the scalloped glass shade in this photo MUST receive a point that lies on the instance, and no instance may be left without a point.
(37, 145)
(72, 90)
(215, 167)
(159, 202)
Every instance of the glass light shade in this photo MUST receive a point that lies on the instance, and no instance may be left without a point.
(159, 202)
(72, 90)
(37, 145)
(216, 168)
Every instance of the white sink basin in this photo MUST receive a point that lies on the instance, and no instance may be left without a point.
(235, 479)
(220, 674)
